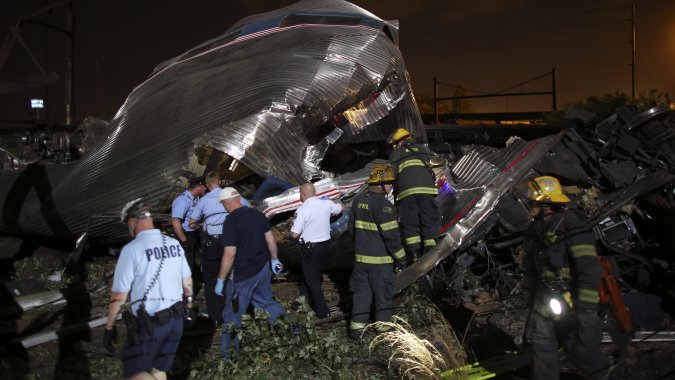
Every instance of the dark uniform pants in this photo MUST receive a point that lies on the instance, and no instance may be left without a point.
(313, 257)
(419, 221)
(581, 340)
(371, 282)
(153, 351)
(212, 253)
(190, 247)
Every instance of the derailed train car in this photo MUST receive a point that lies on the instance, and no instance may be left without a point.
(619, 171)
(308, 91)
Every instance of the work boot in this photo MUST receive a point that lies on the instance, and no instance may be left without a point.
(355, 335)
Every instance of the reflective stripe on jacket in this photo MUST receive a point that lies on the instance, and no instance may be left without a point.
(413, 173)
(566, 254)
(376, 236)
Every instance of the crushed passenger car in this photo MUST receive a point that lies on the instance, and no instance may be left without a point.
(308, 91)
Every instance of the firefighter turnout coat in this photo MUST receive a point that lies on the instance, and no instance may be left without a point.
(376, 236)
(413, 173)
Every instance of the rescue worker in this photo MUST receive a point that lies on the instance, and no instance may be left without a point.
(562, 275)
(312, 227)
(415, 192)
(249, 259)
(181, 209)
(210, 213)
(153, 267)
(378, 251)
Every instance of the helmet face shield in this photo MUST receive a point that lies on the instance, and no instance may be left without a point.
(546, 189)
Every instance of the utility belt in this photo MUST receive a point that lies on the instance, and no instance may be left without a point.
(210, 240)
(310, 246)
(162, 317)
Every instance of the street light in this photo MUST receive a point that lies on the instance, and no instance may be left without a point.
(36, 104)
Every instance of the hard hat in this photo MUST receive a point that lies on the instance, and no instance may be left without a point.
(398, 135)
(546, 189)
(134, 209)
(381, 174)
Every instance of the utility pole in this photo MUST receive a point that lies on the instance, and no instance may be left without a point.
(632, 62)
(69, 69)
(436, 100)
(554, 96)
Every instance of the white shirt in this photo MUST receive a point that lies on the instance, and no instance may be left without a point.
(138, 266)
(312, 219)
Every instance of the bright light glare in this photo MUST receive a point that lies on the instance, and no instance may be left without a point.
(37, 103)
(555, 306)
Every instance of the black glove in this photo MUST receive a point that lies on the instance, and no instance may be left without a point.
(399, 265)
(110, 339)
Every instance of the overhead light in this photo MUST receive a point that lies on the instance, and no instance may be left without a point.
(37, 103)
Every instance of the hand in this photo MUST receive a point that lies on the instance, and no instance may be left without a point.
(220, 283)
(189, 317)
(399, 265)
(110, 339)
(277, 266)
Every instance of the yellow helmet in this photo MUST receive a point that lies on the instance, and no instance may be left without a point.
(381, 174)
(546, 189)
(398, 135)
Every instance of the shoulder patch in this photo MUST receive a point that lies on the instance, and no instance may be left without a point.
(388, 210)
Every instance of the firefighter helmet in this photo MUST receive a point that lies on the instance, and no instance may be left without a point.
(381, 174)
(134, 209)
(398, 135)
(546, 189)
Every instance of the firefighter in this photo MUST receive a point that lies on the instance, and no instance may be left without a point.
(562, 277)
(415, 192)
(378, 251)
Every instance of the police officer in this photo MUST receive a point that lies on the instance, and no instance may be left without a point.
(563, 276)
(312, 227)
(415, 193)
(153, 267)
(249, 259)
(378, 251)
(211, 213)
(181, 209)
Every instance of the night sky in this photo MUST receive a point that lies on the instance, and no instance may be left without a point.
(486, 46)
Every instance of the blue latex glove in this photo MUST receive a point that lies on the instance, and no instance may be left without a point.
(219, 286)
(277, 266)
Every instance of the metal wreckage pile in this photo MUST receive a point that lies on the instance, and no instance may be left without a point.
(311, 92)
(619, 171)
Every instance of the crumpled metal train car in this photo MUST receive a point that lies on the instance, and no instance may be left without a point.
(307, 91)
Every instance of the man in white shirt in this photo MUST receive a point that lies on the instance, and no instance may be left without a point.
(312, 227)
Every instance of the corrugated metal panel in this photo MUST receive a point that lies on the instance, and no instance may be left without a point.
(257, 95)
(475, 204)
